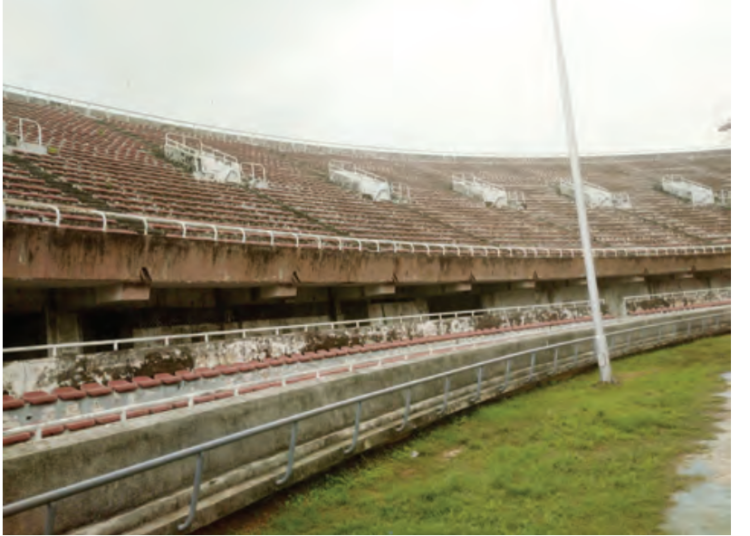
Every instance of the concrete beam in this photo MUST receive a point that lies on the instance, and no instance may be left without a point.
(520, 285)
(122, 292)
(278, 291)
(456, 287)
(684, 276)
(50, 257)
(636, 279)
(380, 290)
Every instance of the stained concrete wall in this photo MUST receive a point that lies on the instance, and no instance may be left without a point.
(149, 358)
(33, 468)
(72, 369)
(48, 256)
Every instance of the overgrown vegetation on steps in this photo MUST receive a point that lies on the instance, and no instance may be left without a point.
(156, 150)
(572, 458)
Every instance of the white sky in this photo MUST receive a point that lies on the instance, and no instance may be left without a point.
(441, 75)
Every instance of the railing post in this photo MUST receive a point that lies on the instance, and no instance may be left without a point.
(355, 436)
(554, 367)
(407, 409)
(49, 520)
(506, 381)
(478, 395)
(290, 460)
(531, 367)
(196, 491)
(446, 390)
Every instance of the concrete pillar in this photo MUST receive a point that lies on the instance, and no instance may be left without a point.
(379, 290)
(513, 297)
(614, 292)
(63, 326)
(388, 309)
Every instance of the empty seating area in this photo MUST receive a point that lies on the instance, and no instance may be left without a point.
(72, 408)
(106, 170)
(113, 164)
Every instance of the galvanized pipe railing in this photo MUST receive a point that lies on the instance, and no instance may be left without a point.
(720, 292)
(50, 498)
(122, 411)
(354, 243)
(167, 340)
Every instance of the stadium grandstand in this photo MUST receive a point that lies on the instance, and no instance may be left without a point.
(169, 284)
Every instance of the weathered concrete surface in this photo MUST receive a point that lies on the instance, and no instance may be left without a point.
(238, 474)
(49, 256)
(71, 368)
(706, 507)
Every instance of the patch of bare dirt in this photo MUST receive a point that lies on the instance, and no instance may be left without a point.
(449, 454)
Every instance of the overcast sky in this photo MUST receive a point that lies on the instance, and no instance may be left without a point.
(441, 75)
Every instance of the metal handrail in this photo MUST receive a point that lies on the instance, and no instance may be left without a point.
(354, 242)
(50, 498)
(416, 348)
(297, 327)
(684, 293)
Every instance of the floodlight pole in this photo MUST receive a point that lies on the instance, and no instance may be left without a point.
(600, 340)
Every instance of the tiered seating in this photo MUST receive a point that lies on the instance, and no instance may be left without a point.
(20, 184)
(113, 164)
(687, 224)
(91, 404)
(302, 184)
(109, 170)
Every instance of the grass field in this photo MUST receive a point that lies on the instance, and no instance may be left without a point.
(571, 458)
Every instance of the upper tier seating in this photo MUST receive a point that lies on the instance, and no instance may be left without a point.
(118, 165)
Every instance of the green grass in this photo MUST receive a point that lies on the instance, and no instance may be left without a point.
(571, 458)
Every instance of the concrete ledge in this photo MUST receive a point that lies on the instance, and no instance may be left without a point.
(40, 255)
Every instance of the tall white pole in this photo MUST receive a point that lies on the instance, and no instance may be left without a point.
(600, 346)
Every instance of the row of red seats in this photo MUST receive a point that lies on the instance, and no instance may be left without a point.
(680, 308)
(94, 390)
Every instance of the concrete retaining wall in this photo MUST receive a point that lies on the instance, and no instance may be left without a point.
(239, 474)
(71, 370)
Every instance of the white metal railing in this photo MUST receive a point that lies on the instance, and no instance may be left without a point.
(400, 193)
(179, 142)
(647, 302)
(235, 382)
(18, 131)
(696, 193)
(255, 179)
(274, 238)
(367, 182)
(596, 196)
(284, 143)
(166, 340)
(725, 197)
(51, 498)
(470, 185)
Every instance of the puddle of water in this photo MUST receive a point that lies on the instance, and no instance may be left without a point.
(706, 507)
